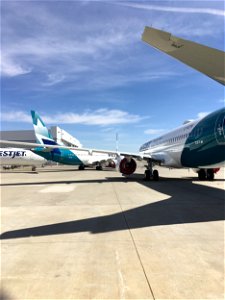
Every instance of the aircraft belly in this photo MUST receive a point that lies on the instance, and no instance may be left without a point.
(169, 155)
(91, 159)
(20, 161)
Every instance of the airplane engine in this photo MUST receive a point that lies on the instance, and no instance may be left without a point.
(127, 166)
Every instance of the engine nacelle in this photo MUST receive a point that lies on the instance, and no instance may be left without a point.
(127, 166)
(216, 170)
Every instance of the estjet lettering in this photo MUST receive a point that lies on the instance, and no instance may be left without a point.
(12, 154)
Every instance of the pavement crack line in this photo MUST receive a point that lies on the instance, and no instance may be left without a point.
(133, 241)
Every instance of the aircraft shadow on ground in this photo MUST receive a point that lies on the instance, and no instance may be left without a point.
(187, 203)
(76, 170)
(19, 172)
(52, 171)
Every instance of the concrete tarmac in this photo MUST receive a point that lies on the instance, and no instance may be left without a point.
(69, 234)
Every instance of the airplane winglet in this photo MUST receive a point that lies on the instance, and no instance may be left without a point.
(209, 61)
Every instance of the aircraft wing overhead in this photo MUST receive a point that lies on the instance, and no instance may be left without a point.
(46, 147)
(206, 60)
(24, 145)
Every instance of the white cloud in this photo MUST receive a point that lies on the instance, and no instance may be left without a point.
(100, 117)
(15, 116)
(202, 114)
(64, 44)
(186, 10)
(115, 80)
(54, 79)
(10, 68)
(154, 131)
(99, 53)
(65, 57)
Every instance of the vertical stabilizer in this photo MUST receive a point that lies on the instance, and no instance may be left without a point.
(43, 136)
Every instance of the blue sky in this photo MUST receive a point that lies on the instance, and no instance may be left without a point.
(82, 65)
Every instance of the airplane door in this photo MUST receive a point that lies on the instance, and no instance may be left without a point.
(220, 129)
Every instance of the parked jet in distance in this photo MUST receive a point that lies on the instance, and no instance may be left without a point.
(198, 144)
(20, 157)
(67, 156)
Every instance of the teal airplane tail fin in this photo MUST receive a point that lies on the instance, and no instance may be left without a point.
(43, 136)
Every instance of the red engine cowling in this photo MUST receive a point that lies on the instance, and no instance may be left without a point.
(127, 166)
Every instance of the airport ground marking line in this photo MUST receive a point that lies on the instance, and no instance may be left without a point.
(133, 241)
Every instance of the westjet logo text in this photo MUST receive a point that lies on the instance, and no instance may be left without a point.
(12, 154)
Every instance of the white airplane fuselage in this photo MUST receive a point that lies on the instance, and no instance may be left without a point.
(65, 156)
(20, 157)
(89, 158)
(75, 156)
(197, 144)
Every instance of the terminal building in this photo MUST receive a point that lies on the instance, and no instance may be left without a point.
(60, 136)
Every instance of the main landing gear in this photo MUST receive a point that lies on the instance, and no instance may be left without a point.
(82, 167)
(99, 168)
(206, 174)
(150, 173)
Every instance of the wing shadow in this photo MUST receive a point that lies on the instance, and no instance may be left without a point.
(202, 204)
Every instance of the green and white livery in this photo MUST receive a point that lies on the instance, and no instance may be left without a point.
(62, 155)
(197, 144)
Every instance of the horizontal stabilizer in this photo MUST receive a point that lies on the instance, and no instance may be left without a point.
(206, 60)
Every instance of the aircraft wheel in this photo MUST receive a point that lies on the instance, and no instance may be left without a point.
(81, 167)
(99, 168)
(202, 174)
(155, 175)
(147, 175)
(210, 174)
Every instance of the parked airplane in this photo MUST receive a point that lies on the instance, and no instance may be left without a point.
(67, 156)
(14, 157)
(198, 144)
